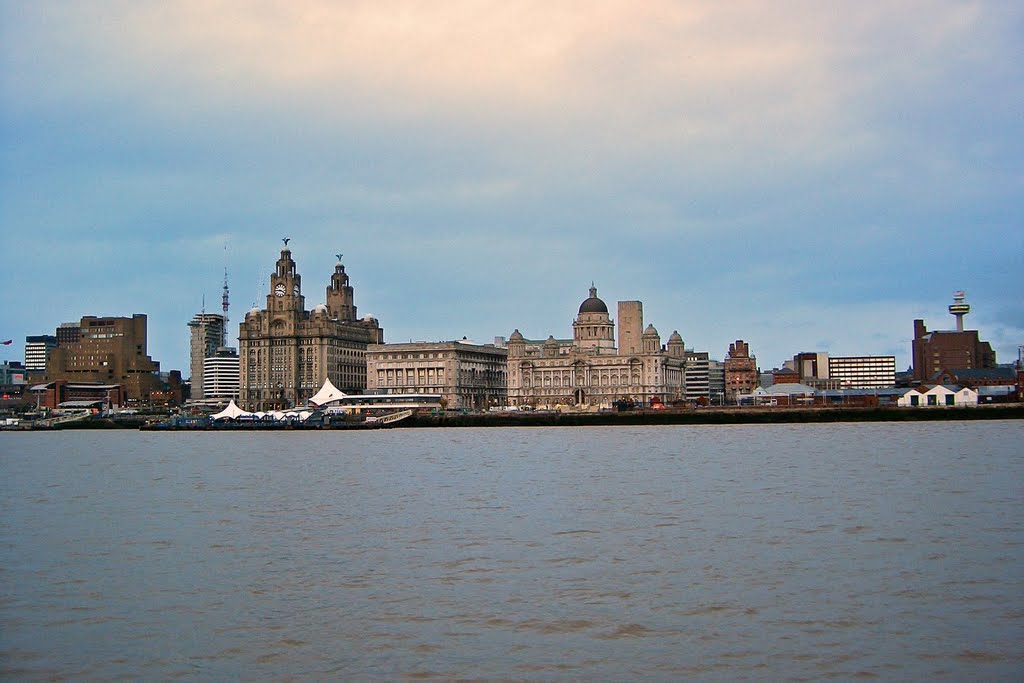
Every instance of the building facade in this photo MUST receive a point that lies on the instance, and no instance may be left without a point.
(37, 351)
(948, 350)
(697, 375)
(590, 370)
(716, 381)
(286, 352)
(207, 334)
(68, 333)
(107, 351)
(741, 372)
(220, 375)
(862, 372)
(958, 349)
(467, 376)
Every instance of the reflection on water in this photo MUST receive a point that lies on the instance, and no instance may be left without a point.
(784, 552)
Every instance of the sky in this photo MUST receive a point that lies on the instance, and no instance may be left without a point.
(804, 176)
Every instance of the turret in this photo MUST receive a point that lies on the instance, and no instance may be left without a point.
(651, 340)
(340, 297)
(516, 345)
(676, 348)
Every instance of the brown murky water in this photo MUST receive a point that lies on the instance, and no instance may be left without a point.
(789, 552)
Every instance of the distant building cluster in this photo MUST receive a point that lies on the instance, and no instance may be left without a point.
(286, 354)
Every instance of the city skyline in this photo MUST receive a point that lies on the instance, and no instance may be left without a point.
(803, 178)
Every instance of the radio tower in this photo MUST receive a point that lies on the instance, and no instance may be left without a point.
(224, 300)
(959, 309)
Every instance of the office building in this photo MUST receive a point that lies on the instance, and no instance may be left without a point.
(286, 352)
(37, 351)
(590, 370)
(862, 372)
(220, 375)
(697, 375)
(108, 351)
(207, 334)
(467, 376)
(951, 350)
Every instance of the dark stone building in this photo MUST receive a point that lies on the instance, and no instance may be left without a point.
(286, 352)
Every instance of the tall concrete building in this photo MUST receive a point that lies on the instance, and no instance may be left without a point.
(939, 350)
(697, 375)
(741, 373)
(716, 381)
(822, 371)
(220, 375)
(37, 351)
(863, 372)
(466, 375)
(69, 333)
(286, 352)
(589, 370)
(110, 351)
(207, 334)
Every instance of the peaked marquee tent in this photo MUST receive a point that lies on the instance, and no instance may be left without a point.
(328, 392)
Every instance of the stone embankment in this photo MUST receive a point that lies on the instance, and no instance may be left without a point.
(715, 416)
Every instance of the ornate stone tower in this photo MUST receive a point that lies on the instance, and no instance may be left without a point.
(593, 330)
(286, 353)
(340, 300)
(631, 324)
(286, 289)
(651, 340)
(676, 348)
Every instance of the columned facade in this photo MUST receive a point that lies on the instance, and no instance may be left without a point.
(467, 376)
(589, 371)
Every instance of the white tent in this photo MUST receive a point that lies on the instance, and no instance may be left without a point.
(328, 392)
(232, 412)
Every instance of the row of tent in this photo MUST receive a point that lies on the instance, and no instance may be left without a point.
(233, 412)
(327, 394)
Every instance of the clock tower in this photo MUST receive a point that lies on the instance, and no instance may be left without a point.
(285, 286)
(286, 352)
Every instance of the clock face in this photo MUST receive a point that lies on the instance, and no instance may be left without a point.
(279, 290)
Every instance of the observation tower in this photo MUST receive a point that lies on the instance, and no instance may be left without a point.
(959, 309)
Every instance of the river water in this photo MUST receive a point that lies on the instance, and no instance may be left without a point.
(767, 552)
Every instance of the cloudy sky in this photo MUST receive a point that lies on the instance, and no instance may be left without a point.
(801, 175)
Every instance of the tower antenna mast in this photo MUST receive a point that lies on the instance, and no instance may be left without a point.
(959, 309)
(224, 300)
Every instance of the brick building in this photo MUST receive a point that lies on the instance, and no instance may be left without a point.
(948, 350)
(741, 372)
(106, 351)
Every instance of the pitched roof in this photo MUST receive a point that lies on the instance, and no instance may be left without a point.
(985, 373)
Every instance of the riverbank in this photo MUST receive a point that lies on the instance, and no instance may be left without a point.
(640, 417)
(716, 416)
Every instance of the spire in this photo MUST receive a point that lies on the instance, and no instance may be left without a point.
(224, 300)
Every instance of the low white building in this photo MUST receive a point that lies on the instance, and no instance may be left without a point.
(939, 395)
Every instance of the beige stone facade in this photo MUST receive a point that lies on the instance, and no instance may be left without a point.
(466, 375)
(589, 370)
(286, 352)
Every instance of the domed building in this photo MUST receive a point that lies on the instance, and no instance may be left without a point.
(286, 352)
(591, 370)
